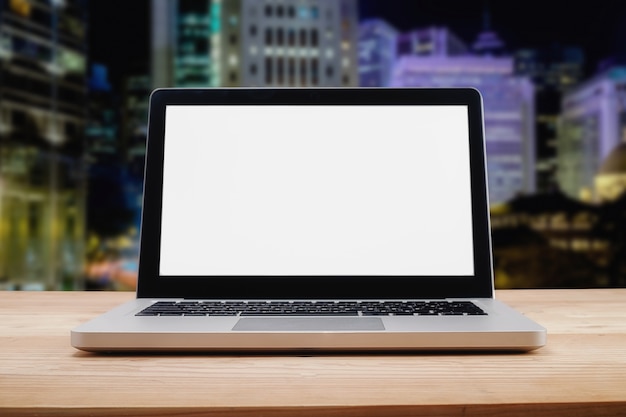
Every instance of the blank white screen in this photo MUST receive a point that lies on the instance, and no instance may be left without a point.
(316, 190)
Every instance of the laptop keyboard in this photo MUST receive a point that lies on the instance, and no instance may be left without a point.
(305, 308)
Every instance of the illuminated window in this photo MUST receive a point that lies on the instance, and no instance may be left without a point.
(21, 7)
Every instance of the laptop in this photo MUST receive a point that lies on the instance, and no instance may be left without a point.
(314, 219)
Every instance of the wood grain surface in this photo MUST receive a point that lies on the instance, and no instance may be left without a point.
(580, 372)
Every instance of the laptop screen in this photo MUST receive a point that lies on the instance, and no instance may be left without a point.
(329, 193)
(316, 190)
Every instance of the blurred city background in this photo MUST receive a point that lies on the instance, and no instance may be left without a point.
(75, 77)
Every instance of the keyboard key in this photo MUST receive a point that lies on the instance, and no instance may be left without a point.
(304, 308)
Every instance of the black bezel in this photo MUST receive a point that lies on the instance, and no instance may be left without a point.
(151, 285)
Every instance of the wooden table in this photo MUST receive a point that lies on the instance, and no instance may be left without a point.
(580, 372)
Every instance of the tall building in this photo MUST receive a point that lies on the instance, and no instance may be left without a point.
(380, 45)
(436, 57)
(115, 145)
(102, 124)
(509, 112)
(135, 97)
(136, 92)
(591, 125)
(554, 71)
(181, 39)
(377, 50)
(42, 119)
(254, 43)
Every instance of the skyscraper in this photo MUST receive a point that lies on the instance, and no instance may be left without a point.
(554, 70)
(254, 43)
(378, 44)
(509, 111)
(591, 125)
(42, 119)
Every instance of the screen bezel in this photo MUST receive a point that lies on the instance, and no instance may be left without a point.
(152, 285)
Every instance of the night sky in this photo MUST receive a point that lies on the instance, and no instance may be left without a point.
(119, 29)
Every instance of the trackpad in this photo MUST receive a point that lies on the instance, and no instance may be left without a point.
(317, 324)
